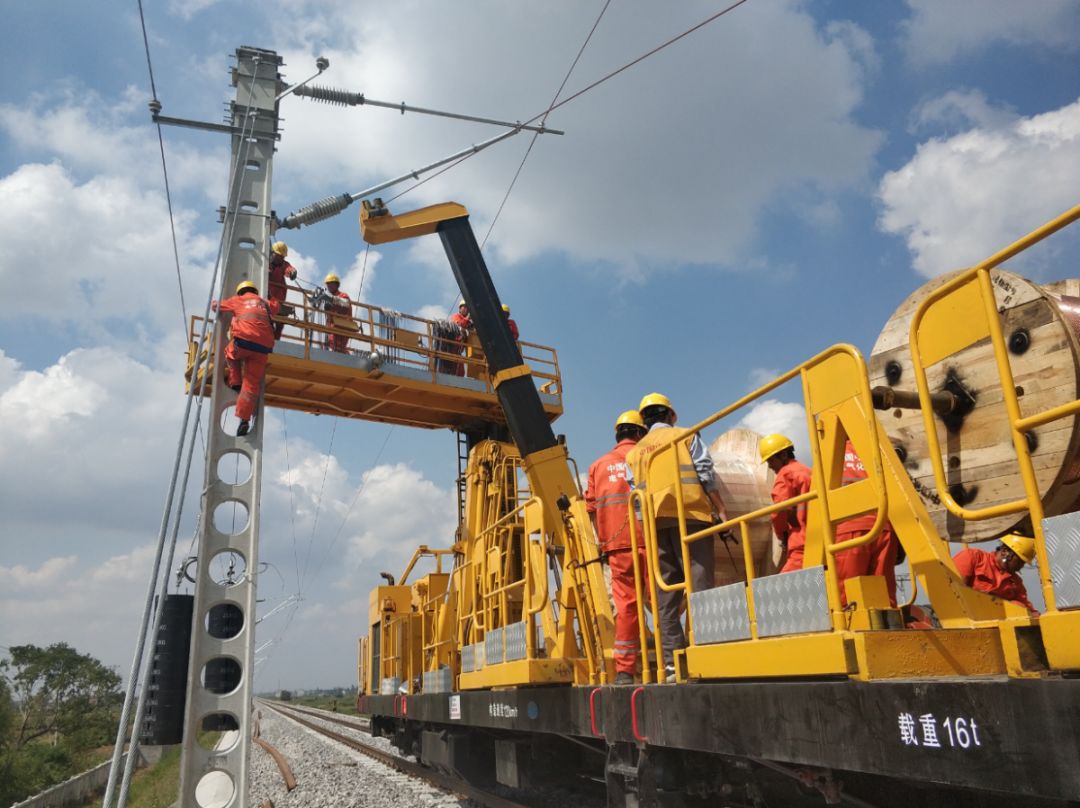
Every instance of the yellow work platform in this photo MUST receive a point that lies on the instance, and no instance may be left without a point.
(388, 367)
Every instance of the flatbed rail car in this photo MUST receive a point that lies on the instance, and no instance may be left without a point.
(784, 695)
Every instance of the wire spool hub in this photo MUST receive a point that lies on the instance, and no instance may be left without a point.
(1042, 332)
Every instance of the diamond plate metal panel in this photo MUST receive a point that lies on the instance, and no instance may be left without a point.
(792, 603)
(468, 658)
(720, 614)
(493, 646)
(1062, 535)
(515, 641)
(389, 687)
(437, 681)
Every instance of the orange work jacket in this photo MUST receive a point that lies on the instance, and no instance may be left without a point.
(792, 479)
(608, 496)
(252, 326)
(980, 571)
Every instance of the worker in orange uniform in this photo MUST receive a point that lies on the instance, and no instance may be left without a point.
(792, 479)
(996, 573)
(607, 499)
(696, 479)
(877, 557)
(280, 270)
(338, 315)
(461, 319)
(252, 342)
(510, 322)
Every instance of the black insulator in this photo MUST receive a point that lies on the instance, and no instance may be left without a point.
(1019, 341)
(893, 371)
(163, 723)
(317, 211)
(330, 95)
(1032, 441)
(563, 502)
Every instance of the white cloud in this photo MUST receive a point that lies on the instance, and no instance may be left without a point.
(93, 435)
(758, 377)
(768, 117)
(89, 133)
(940, 31)
(960, 110)
(961, 198)
(108, 251)
(771, 416)
(62, 600)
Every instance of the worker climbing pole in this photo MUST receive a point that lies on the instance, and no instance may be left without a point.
(222, 641)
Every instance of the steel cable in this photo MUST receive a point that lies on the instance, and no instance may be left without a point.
(135, 675)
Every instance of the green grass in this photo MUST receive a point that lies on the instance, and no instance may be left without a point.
(157, 786)
(345, 704)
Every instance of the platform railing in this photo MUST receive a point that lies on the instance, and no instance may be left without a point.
(396, 338)
(838, 365)
(929, 344)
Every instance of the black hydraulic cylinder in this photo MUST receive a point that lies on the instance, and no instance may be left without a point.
(520, 400)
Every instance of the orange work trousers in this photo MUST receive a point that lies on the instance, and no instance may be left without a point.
(246, 368)
(627, 645)
(875, 558)
(793, 559)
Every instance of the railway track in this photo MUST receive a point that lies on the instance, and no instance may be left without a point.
(434, 778)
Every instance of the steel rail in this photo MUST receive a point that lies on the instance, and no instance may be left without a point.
(430, 776)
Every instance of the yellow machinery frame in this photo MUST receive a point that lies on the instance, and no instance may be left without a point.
(982, 635)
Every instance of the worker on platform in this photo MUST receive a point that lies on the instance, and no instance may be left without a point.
(461, 319)
(691, 472)
(997, 573)
(252, 342)
(792, 479)
(280, 270)
(607, 498)
(877, 557)
(338, 315)
(510, 322)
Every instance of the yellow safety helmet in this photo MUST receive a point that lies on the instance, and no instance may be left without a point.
(630, 417)
(1023, 546)
(771, 444)
(461, 303)
(655, 400)
(246, 285)
(331, 278)
(281, 248)
(506, 308)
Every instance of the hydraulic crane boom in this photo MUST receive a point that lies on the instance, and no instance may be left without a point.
(544, 459)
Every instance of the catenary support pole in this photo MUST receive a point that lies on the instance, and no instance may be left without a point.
(223, 699)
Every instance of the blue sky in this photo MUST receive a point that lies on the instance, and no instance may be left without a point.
(772, 184)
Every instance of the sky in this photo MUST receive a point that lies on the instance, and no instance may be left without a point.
(771, 184)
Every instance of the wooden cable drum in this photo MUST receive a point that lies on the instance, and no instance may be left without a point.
(745, 485)
(1041, 326)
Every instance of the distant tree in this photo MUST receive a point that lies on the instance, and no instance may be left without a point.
(61, 692)
(53, 701)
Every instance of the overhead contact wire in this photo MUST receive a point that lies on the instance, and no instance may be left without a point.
(543, 121)
(318, 503)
